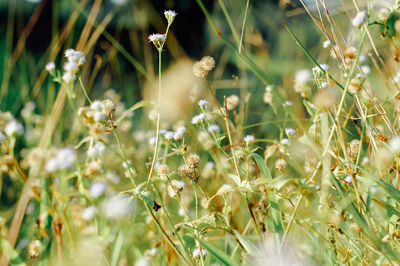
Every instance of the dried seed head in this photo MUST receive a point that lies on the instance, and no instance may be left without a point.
(163, 170)
(184, 171)
(193, 160)
(203, 67)
(34, 249)
(349, 55)
(93, 169)
(208, 63)
(280, 165)
(355, 85)
(354, 147)
(232, 102)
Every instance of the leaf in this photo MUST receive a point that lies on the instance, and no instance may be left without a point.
(147, 197)
(218, 254)
(311, 109)
(11, 253)
(248, 245)
(262, 165)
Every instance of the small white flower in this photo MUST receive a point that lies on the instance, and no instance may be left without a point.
(213, 128)
(325, 67)
(113, 177)
(152, 140)
(118, 207)
(124, 165)
(51, 165)
(169, 135)
(69, 52)
(362, 58)
(66, 158)
(196, 252)
(156, 37)
(50, 66)
(97, 189)
(99, 116)
(13, 128)
(170, 13)
(97, 150)
(288, 103)
(70, 66)
(248, 139)
(202, 102)
(359, 19)
(97, 106)
(394, 143)
(68, 77)
(290, 131)
(269, 88)
(181, 129)
(326, 44)
(324, 85)
(349, 179)
(181, 212)
(89, 213)
(303, 76)
(285, 141)
(197, 118)
(178, 136)
(366, 69)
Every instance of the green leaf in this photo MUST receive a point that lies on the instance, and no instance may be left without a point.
(248, 245)
(11, 253)
(262, 165)
(218, 254)
(147, 197)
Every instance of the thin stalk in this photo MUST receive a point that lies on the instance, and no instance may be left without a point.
(158, 120)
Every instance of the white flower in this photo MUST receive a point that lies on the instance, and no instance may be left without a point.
(97, 150)
(178, 136)
(181, 129)
(197, 118)
(152, 140)
(51, 165)
(181, 212)
(66, 158)
(290, 131)
(89, 213)
(125, 165)
(143, 261)
(394, 143)
(213, 128)
(269, 88)
(362, 58)
(118, 207)
(50, 66)
(248, 139)
(325, 67)
(170, 16)
(69, 52)
(113, 177)
(196, 252)
(70, 66)
(99, 116)
(324, 85)
(170, 13)
(285, 141)
(13, 128)
(68, 77)
(288, 103)
(303, 76)
(2, 137)
(97, 189)
(97, 106)
(156, 37)
(359, 19)
(349, 179)
(366, 69)
(169, 135)
(326, 44)
(202, 102)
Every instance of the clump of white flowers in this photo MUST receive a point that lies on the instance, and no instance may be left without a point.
(248, 139)
(75, 60)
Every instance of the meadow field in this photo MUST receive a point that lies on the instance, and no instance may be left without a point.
(199, 132)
